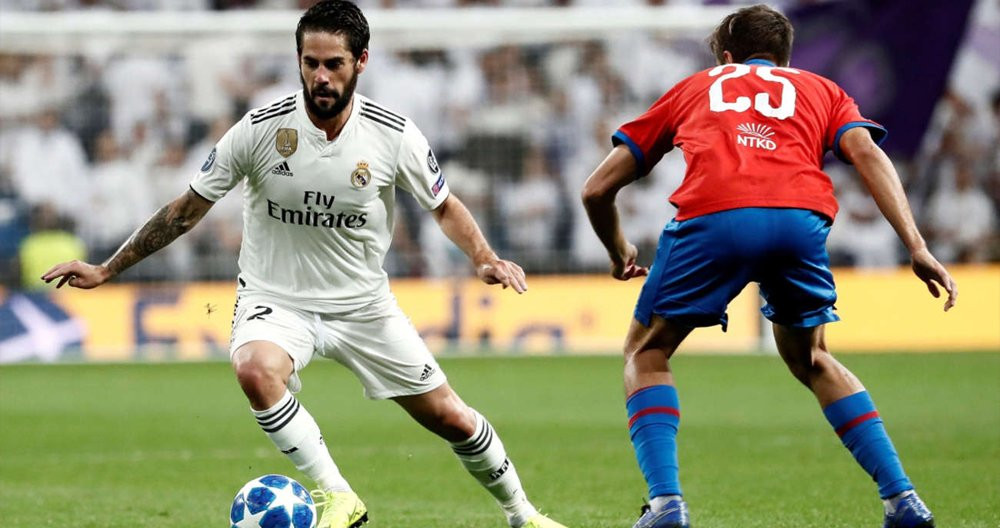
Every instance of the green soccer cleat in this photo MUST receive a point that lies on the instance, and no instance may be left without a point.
(541, 521)
(341, 509)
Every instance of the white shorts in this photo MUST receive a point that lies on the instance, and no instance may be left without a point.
(378, 343)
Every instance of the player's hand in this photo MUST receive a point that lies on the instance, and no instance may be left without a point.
(929, 270)
(624, 267)
(77, 274)
(505, 272)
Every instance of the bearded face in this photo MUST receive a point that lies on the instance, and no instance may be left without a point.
(324, 101)
(329, 73)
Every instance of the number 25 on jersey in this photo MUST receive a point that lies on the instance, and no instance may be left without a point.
(761, 101)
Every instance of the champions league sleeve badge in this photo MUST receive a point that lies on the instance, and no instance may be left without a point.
(432, 164)
(438, 185)
(210, 162)
(361, 176)
(286, 142)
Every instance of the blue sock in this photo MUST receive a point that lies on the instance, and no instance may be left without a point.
(653, 417)
(859, 427)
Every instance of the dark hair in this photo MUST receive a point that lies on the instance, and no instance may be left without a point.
(335, 16)
(753, 31)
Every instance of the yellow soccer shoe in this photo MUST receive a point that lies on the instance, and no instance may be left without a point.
(341, 509)
(541, 521)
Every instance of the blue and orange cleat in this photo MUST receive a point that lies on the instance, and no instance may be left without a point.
(673, 515)
(911, 512)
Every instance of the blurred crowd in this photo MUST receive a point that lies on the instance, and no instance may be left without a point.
(91, 146)
(182, 5)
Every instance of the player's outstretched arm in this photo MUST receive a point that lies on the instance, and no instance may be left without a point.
(882, 181)
(615, 172)
(170, 222)
(458, 225)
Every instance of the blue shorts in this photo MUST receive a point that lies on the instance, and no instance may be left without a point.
(703, 263)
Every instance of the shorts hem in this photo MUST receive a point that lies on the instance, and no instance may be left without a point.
(397, 393)
(684, 314)
(811, 321)
(696, 320)
(236, 344)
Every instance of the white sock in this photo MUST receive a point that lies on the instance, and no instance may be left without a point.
(294, 431)
(657, 503)
(891, 502)
(484, 457)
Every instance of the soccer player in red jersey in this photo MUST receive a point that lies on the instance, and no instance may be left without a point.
(755, 206)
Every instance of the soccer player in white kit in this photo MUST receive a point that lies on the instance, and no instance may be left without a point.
(320, 168)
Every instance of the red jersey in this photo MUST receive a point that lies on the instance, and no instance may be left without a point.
(753, 135)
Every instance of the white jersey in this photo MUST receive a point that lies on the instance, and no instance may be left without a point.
(318, 215)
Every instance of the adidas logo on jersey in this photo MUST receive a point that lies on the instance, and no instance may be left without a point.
(282, 170)
(756, 135)
(428, 371)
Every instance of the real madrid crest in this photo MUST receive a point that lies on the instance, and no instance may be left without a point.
(361, 176)
(286, 142)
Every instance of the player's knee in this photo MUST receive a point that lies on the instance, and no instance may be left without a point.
(452, 422)
(646, 360)
(458, 426)
(812, 366)
(632, 367)
(259, 372)
(802, 372)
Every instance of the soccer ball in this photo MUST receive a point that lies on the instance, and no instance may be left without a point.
(273, 501)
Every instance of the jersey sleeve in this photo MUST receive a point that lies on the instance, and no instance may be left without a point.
(225, 165)
(417, 170)
(844, 116)
(650, 135)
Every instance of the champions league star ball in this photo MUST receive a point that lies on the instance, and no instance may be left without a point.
(273, 501)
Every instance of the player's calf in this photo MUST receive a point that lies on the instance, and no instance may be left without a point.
(483, 455)
(859, 426)
(295, 433)
(654, 417)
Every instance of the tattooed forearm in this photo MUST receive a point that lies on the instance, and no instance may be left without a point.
(170, 222)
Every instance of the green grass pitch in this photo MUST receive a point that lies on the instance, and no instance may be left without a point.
(168, 445)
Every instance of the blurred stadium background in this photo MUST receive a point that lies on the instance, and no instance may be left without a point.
(108, 107)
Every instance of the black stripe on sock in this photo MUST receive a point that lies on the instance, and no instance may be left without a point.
(486, 445)
(266, 417)
(478, 437)
(276, 415)
(479, 447)
(295, 410)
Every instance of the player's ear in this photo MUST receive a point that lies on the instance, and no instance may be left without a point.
(362, 62)
(727, 57)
